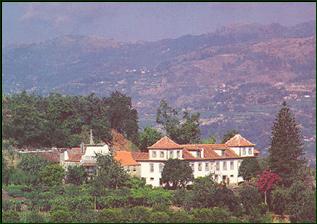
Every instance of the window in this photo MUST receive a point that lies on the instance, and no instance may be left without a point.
(231, 176)
(134, 169)
(250, 151)
(178, 154)
(154, 154)
(216, 177)
(222, 152)
(198, 154)
(152, 178)
(231, 165)
(244, 151)
(206, 166)
(217, 166)
(224, 165)
(171, 154)
(162, 154)
(151, 167)
(192, 166)
(161, 166)
(199, 167)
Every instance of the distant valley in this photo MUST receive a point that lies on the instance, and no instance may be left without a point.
(236, 77)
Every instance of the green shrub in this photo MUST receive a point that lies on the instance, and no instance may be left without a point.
(139, 214)
(10, 217)
(112, 215)
(159, 217)
(32, 217)
(179, 197)
(204, 215)
(180, 217)
(279, 200)
(61, 216)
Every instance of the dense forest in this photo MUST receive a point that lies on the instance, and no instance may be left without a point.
(35, 121)
(36, 191)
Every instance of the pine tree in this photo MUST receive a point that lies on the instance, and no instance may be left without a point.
(286, 151)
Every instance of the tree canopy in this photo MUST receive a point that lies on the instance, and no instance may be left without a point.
(148, 137)
(176, 173)
(249, 168)
(62, 121)
(229, 135)
(286, 151)
(182, 130)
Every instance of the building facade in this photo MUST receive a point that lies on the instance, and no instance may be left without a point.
(220, 161)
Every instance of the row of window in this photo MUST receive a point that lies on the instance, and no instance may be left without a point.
(244, 151)
(171, 154)
(161, 166)
(208, 166)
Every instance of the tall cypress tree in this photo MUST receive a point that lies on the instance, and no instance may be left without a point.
(286, 151)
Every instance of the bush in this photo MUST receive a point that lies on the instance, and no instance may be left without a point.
(10, 217)
(33, 217)
(159, 217)
(250, 198)
(179, 197)
(180, 217)
(139, 214)
(61, 216)
(204, 215)
(112, 215)
(279, 200)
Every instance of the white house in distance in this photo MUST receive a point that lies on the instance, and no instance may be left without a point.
(221, 161)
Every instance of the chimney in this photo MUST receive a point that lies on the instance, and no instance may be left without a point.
(91, 142)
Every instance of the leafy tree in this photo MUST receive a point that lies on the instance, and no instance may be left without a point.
(110, 173)
(286, 151)
(249, 168)
(225, 198)
(183, 132)
(123, 117)
(203, 193)
(279, 200)
(251, 199)
(229, 135)
(176, 173)
(30, 167)
(266, 182)
(75, 175)
(148, 137)
(52, 175)
(189, 131)
(210, 140)
(302, 203)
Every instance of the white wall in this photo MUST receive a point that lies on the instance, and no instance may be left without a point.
(168, 154)
(243, 151)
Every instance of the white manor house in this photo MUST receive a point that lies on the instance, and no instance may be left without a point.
(221, 161)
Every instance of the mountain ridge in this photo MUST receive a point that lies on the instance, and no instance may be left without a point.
(236, 77)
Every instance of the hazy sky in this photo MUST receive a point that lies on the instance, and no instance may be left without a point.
(33, 22)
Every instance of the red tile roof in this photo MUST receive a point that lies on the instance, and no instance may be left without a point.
(256, 151)
(187, 155)
(50, 156)
(237, 141)
(140, 155)
(165, 143)
(74, 157)
(125, 158)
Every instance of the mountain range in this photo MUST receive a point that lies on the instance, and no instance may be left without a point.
(236, 77)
